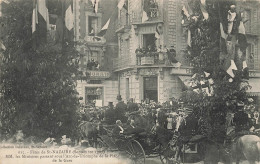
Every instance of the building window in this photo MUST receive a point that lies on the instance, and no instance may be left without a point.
(151, 8)
(92, 25)
(123, 15)
(247, 19)
(149, 41)
(93, 94)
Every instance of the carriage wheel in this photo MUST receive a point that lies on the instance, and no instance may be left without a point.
(136, 152)
(165, 154)
(101, 144)
(164, 159)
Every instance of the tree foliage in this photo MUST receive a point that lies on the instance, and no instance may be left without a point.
(38, 86)
(205, 56)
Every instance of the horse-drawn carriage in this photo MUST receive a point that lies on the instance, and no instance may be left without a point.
(155, 141)
(134, 146)
(147, 142)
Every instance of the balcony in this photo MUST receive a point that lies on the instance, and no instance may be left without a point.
(146, 59)
(162, 57)
(95, 39)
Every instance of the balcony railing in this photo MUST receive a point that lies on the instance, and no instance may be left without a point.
(95, 39)
(156, 58)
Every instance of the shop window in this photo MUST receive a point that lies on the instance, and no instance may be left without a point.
(149, 41)
(151, 88)
(92, 25)
(93, 94)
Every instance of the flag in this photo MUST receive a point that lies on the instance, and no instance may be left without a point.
(34, 17)
(69, 19)
(95, 5)
(104, 29)
(222, 33)
(244, 65)
(189, 38)
(157, 33)
(5, 1)
(204, 11)
(206, 74)
(2, 46)
(121, 4)
(185, 12)
(40, 22)
(230, 65)
(203, 2)
(241, 28)
(144, 17)
(43, 11)
(241, 36)
(245, 70)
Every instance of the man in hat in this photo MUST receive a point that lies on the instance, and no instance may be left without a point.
(241, 120)
(110, 114)
(121, 108)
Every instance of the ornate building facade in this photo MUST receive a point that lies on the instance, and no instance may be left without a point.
(144, 73)
(100, 85)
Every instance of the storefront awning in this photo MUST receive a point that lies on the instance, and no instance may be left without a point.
(255, 84)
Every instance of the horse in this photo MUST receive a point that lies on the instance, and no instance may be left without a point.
(247, 146)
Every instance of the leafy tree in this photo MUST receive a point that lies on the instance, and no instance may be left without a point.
(205, 55)
(37, 86)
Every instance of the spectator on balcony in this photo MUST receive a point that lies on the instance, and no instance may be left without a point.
(150, 49)
(89, 66)
(93, 64)
(92, 32)
(97, 66)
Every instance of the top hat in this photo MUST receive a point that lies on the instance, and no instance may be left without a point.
(110, 103)
(119, 97)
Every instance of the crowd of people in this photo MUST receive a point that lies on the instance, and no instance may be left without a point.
(165, 114)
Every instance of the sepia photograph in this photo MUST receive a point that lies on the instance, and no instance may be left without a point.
(129, 81)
